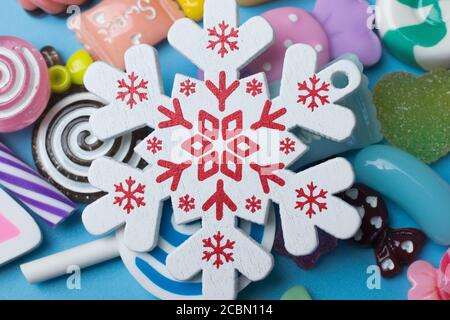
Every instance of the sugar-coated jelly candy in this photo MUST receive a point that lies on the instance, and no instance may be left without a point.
(415, 112)
(411, 184)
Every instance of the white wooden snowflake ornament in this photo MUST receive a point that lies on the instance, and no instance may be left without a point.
(220, 149)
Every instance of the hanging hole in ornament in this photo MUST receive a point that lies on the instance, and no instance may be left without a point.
(339, 80)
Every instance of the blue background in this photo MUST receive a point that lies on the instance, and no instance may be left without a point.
(339, 275)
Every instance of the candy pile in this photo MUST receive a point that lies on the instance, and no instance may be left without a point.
(282, 96)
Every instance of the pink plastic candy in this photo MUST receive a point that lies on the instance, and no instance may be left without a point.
(24, 84)
(429, 283)
(49, 6)
(111, 27)
(291, 25)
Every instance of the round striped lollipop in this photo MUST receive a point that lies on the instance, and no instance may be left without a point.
(64, 146)
(24, 84)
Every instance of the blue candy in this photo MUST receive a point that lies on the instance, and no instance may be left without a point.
(413, 185)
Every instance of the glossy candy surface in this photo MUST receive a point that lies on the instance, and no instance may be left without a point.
(77, 65)
(193, 9)
(429, 283)
(60, 80)
(411, 184)
(417, 32)
(24, 84)
(111, 27)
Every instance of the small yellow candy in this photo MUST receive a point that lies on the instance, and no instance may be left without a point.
(77, 66)
(193, 9)
(60, 80)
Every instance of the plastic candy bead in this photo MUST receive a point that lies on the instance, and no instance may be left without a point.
(193, 9)
(417, 32)
(51, 56)
(59, 79)
(77, 66)
(415, 112)
(414, 186)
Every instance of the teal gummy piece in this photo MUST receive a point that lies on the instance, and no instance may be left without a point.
(413, 185)
(401, 42)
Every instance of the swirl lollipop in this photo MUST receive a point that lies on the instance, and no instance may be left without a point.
(64, 147)
(24, 84)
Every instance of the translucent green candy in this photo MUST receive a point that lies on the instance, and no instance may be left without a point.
(296, 293)
(415, 112)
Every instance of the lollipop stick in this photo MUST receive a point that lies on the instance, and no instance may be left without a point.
(83, 256)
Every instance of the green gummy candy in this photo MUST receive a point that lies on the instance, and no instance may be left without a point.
(296, 293)
(415, 112)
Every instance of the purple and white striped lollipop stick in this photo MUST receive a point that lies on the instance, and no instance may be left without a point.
(32, 190)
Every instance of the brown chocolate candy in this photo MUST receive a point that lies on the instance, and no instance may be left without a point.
(393, 247)
(51, 56)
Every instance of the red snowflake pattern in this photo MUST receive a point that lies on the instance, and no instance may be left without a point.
(254, 87)
(186, 203)
(287, 146)
(314, 93)
(223, 37)
(218, 250)
(154, 145)
(129, 195)
(187, 87)
(132, 90)
(311, 199)
(253, 204)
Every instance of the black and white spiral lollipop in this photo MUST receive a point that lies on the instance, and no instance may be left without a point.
(64, 147)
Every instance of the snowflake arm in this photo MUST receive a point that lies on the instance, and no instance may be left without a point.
(221, 45)
(129, 202)
(179, 263)
(307, 201)
(218, 250)
(311, 99)
(130, 96)
(253, 261)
